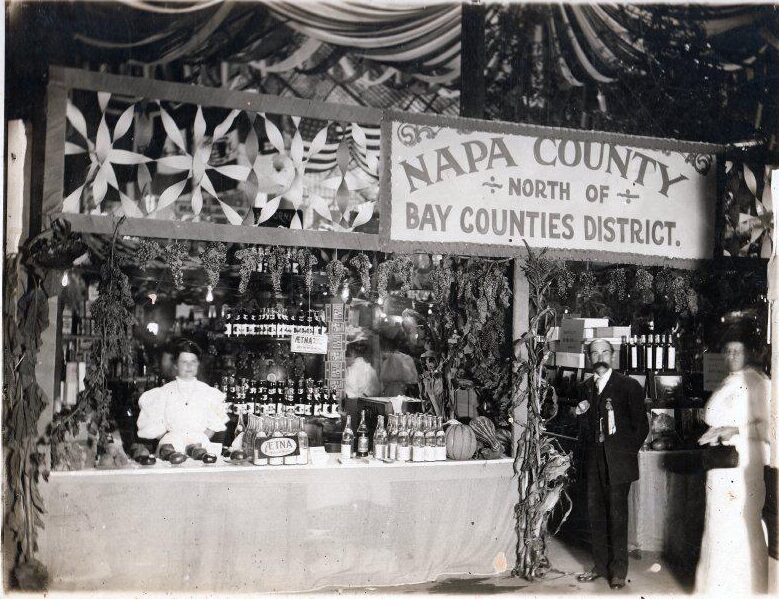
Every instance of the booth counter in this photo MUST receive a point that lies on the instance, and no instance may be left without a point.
(226, 528)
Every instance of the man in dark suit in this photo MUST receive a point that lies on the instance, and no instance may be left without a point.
(614, 425)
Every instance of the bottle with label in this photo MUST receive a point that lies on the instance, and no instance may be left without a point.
(404, 448)
(347, 440)
(392, 438)
(670, 354)
(649, 355)
(290, 429)
(633, 355)
(362, 437)
(380, 440)
(440, 439)
(430, 439)
(660, 353)
(418, 450)
(228, 323)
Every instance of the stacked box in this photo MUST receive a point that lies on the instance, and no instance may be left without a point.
(336, 315)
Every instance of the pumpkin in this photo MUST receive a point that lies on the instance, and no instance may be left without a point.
(460, 442)
(484, 429)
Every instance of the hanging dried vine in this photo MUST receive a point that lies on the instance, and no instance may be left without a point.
(146, 252)
(307, 262)
(336, 272)
(277, 261)
(250, 258)
(362, 263)
(175, 254)
(214, 258)
(540, 464)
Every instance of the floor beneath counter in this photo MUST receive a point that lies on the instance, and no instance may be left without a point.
(648, 574)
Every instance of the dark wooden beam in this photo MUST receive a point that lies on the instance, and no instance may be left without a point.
(472, 61)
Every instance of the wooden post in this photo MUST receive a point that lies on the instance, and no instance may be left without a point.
(520, 324)
(472, 61)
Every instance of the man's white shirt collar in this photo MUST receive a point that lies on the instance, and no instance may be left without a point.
(601, 380)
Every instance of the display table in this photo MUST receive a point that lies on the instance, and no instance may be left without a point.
(235, 528)
(667, 505)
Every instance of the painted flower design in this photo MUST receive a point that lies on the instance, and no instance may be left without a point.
(197, 165)
(102, 156)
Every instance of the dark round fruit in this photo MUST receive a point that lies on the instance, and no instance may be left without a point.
(209, 458)
(237, 456)
(147, 460)
(176, 458)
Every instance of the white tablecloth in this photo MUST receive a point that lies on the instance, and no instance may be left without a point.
(225, 528)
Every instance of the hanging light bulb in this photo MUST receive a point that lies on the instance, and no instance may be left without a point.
(209, 295)
(345, 293)
(380, 301)
(65, 279)
(153, 298)
(153, 328)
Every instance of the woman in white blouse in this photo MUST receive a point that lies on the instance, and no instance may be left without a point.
(184, 411)
(734, 553)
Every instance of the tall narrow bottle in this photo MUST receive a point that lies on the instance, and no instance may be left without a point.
(671, 354)
(418, 444)
(347, 440)
(633, 352)
(290, 430)
(660, 353)
(649, 354)
(430, 439)
(404, 448)
(380, 440)
(362, 437)
(302, 441)
(277, 432)
(440, 440)
(392, 438)
(259, 437)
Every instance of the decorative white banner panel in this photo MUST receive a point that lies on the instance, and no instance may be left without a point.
(558, 189)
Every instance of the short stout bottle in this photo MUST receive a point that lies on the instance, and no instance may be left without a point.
(392, 438)
(430, 451)
(347, 440)
(418, 449)
(362, 437)
(440, 439)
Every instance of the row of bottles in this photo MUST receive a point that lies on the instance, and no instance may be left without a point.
(270, 398)
(408, 437)
(261, 428)
(649, 353)
(290, 265)
(274, 323)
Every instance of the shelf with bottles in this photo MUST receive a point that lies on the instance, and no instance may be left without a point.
(273, 323)
(407, 438)
(304, 397)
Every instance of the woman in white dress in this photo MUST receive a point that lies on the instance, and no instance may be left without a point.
(184, 411)
(734, 553)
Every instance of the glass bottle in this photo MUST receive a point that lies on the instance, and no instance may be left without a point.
(440, 439)
(290, 430)
(259, 437)
(404, 449)
(302, 441)
(430, 439)
(362, 437)
(392, 438)
(228, 323)
(660, 353)
(347, 440)
(418, 443)
(380, 440)
(633, 355)
(277, 432)
(671, 354)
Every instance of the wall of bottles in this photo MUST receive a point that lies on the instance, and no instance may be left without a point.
(649, 353)
(273, 323)
(304, 397)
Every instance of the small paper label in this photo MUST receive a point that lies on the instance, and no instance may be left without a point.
(304, 343)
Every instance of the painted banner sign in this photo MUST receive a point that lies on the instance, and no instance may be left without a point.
(558, 189)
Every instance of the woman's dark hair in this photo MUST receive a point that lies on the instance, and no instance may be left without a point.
(741, 333)
(185, 346)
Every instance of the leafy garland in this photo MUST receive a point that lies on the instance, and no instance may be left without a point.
(540, 464)
(24, 320)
